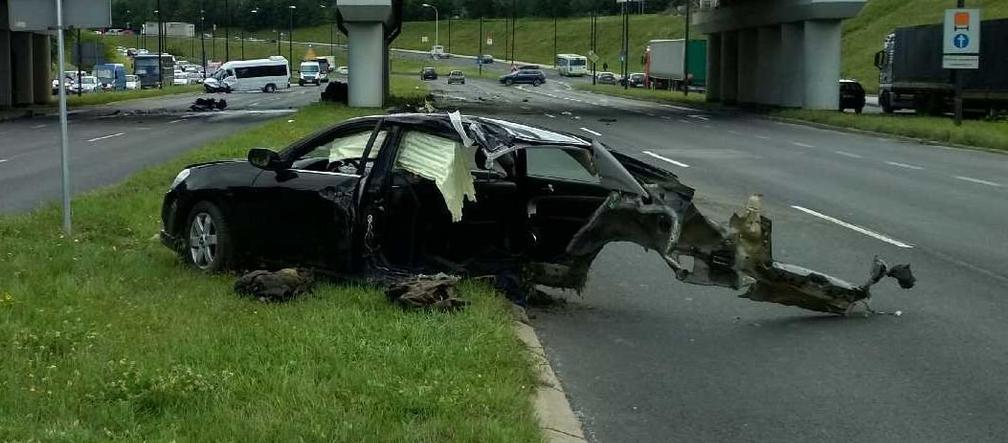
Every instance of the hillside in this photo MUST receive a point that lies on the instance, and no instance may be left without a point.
(863, 34)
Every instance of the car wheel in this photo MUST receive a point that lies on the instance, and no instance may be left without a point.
(301, 83)
(208, 239)
(509, 82)
(270, 88)
(885, 102)
(536, 82)
(859, 110)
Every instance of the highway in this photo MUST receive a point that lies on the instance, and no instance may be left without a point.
(646, 358)
(110, 142)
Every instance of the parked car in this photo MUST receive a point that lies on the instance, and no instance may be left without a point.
(311, 72)
(456, 77)
(397, 194)
(132, 82)
(343, 70)
(180, 78)
(532, 77)
(852, 96)
(485, 59)
(438, 52)
(428, 73)
(606, 78)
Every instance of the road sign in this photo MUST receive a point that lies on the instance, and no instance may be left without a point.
(423, 39)
(962, 31)
(951, 61)
(593, 56)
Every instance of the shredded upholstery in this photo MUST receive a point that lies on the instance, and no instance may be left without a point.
(443, 161)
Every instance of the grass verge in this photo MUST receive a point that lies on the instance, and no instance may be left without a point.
(659, 96)
(105, 335)
(101, 98)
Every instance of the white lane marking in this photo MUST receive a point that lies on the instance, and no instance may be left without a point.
(762, 137)
(666, 159)
(733, 132)
(904, 165)
(651, 115)
(978, 181)
(550, 115)
(117, 134)
(804, 145)
(38, 126)
(698, 117)
(3, 160)
(680, 108)
(848, 154)
(176, 121)
(682, 120)
(855, 228)
(591, 132)
(254, 104)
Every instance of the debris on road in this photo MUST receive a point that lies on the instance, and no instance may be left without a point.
(279, 286)
(436, 292)
(208, 104)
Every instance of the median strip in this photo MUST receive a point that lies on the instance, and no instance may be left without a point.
(855, 228)
(665, 159)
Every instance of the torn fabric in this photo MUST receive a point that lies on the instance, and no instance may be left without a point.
(443, 161)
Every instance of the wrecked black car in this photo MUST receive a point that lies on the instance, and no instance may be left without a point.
(424, 193)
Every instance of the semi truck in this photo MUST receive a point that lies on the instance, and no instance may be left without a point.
(664, 66)
(911, 74)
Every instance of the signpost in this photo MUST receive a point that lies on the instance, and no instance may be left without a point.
(34, 15)
(961, 48)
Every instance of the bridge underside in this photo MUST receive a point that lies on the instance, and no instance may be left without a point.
(24, 68)
(774, 52)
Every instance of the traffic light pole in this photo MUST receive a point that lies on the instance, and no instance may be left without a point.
(957, 77)
(686, 66)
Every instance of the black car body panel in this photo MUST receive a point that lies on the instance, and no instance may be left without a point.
(852, 95)
(546, 204)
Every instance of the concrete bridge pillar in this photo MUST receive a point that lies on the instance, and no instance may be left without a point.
(366, 46)
(6, 81)
(21, 65)
(769, 69)
(822, 46)
(729, 67)
(793, 60)
(41, 61)
(747, 56)
(714, 67)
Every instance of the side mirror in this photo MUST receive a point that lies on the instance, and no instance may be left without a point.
(267, 159)
(879, 59)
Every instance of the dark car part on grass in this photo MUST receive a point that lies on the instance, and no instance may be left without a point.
(283, 285)
(435, 292)
(336, 91)
(406, 194)
(208, 104)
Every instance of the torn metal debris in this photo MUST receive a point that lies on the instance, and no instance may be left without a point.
(435, 292)
(474, 196)
(208, 104)
(283, 285)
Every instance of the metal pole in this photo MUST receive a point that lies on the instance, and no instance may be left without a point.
(202, 39)
(449, 32)
(554, 35)
(958, 78)
(686, 66)
(594, 29)
(624, 59)
(436, 20)
(479, 57)
(160, 50)
(227, 32)
(64, 140)
(514, 25)
(243, 43)
(332, 49)
(80, 89)
(290, 37)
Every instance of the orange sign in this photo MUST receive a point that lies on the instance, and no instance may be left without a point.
(961, 20)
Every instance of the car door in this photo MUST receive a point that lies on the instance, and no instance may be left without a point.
(562, 190)
(308, 210)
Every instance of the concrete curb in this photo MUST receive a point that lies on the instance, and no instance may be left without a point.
(556, 418)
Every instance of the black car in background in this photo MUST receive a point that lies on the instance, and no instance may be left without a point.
(428, 73)
(852, 96)
(636, 80)
(534, 77)
(606, 78)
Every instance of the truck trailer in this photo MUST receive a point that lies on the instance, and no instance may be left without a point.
(911, 74)
(664, 66)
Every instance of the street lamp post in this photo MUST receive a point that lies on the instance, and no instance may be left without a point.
(428, 5)
(202, 39)
(479, 57)
(331, 50)
(253, 11)
(290, 34)
(227, 31)
(686, 66)
(160, 50)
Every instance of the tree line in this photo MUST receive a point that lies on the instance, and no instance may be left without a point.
(270, 14)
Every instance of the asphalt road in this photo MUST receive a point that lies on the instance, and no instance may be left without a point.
(645, 358)
(110, 142)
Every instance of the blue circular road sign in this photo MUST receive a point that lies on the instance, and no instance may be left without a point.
(961, 41)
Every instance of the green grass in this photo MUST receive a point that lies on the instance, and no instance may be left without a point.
(979, 133)
(104, 335)
(100, 98)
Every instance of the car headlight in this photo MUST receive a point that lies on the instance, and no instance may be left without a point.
(182, 175)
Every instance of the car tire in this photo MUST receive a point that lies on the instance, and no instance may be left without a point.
(301, 83)
(509, 82)
(859, 110)
(207, 239)
(536, 83)
(270, 88)
(885, 102)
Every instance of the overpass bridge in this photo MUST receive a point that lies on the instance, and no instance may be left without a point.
(774, 52)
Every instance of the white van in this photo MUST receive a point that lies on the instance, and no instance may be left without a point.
(312, 72)
(265, 75)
